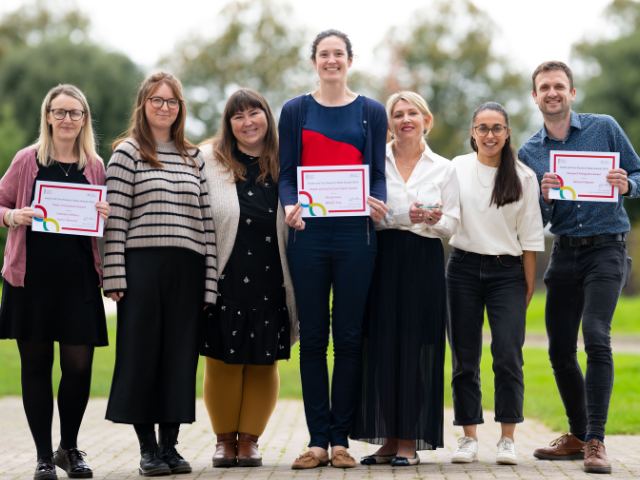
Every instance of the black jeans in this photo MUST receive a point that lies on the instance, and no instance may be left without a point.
(584, 283)
(474, 282)
(338, 252)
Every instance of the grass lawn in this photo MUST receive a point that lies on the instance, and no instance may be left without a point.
(542, 400)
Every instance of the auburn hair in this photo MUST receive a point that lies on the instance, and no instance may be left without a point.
(224, 142)
(140, 131)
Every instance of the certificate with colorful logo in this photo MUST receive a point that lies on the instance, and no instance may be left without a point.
(583, 176)
(339, 191)
(68, 208)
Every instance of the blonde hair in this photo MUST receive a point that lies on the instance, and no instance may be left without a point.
(415, 100)
(85, 146)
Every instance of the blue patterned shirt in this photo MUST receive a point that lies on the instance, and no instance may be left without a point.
(588, 133)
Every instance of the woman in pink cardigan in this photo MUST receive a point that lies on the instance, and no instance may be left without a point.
(51, 283)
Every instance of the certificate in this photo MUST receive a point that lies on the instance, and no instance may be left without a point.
(336, 191)
(583, 175)
(68, 208)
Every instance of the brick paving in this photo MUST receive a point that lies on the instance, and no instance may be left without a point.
(113, 450)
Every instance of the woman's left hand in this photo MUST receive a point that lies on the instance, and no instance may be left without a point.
(433, 215)
(378, 209)
(103, 209)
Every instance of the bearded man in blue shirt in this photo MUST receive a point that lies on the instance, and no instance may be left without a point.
(588, 267)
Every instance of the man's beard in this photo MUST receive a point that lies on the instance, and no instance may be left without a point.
(559, 115)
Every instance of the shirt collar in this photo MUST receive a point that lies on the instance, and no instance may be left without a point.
(575, 123)
(428, 153)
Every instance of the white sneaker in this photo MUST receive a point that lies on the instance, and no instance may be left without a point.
(467, 451)
(506, 452)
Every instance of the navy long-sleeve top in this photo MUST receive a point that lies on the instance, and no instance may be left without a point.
(290, 127)
(588, 133)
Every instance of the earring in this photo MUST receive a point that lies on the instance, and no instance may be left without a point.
(393, 137)
(424, 132)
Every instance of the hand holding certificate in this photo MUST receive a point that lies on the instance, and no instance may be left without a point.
(69, 208)
(334, 191)
(583, 176)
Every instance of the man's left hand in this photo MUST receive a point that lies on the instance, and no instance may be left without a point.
(618, 178)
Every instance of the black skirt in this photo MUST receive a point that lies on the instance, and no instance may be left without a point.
(154, 380)
(402, 390)
(57, 304)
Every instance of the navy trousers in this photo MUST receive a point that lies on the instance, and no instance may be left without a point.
(337, 252)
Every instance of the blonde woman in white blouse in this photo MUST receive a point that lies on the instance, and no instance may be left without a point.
(492, 266)
(401, 398)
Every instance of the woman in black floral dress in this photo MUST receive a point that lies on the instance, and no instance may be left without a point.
(254, 322)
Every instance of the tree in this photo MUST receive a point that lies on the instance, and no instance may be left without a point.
(256, 49)
(613, 87)
(447, 57)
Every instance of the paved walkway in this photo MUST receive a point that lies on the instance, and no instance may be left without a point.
(113, 450)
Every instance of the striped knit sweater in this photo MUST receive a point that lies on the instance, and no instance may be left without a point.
(157, 207)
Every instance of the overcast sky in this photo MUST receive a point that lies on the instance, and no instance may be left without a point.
(530, 31)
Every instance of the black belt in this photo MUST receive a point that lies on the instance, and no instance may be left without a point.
(565, 241)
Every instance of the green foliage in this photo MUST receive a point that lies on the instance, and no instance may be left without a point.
(447, 57)
(257, 48)
(613, 89)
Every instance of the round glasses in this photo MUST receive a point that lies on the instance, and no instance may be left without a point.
(498, 130)
(61, 113)
(158, 102)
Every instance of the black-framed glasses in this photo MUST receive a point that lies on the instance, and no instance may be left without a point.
(61, 113)
(498, 130)
(158, 102)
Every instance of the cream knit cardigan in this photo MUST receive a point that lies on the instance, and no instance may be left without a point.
(225, 210)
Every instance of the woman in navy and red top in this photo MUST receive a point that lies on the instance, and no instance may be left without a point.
(331, 126)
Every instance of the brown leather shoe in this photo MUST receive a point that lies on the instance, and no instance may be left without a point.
(342, 459)
(248, 455)
(309, 460)
(595, 457)
(225, 456)
(565, 447)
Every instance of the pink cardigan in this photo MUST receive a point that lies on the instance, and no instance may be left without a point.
(15, 192)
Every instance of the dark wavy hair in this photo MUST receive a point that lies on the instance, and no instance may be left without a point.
(331, 33)
(507, 187)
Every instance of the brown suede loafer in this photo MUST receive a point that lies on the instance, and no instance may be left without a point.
(595, 457)
(342, 459)
(566, 447)
(309, 460)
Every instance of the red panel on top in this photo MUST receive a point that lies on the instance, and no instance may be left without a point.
(320, 151)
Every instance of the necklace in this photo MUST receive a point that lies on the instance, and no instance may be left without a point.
(478, 174)
(66, 172)
(395, 156)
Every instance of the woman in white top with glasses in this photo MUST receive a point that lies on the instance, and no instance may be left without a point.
(401, 396)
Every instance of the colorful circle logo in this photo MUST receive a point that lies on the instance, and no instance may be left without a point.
(310, 205)
(45, 220)
(565, 189)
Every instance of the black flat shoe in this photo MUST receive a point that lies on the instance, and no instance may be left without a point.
(404, 461)
(45, 469)
(71, 461)
(168, 452)
(376, 459)
(151, 462)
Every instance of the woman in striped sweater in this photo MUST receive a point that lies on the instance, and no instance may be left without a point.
(160, 266)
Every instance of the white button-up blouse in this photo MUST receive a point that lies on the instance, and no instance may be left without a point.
(431, 168)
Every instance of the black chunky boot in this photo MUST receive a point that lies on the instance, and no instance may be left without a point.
(167, 443)
(45, 469)
(71, 461)
(151, 462)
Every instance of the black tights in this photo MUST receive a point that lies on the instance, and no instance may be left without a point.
(37, 391)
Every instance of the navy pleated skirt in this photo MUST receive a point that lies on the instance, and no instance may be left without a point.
(402, 385)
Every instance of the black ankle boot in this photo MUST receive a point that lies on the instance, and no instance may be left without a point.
(168, 442)
(45, 469)
(71, 461)
(151, 462)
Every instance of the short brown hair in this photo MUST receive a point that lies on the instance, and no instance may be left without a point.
(552, 65)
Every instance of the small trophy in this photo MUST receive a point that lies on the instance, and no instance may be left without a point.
(428, 195)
